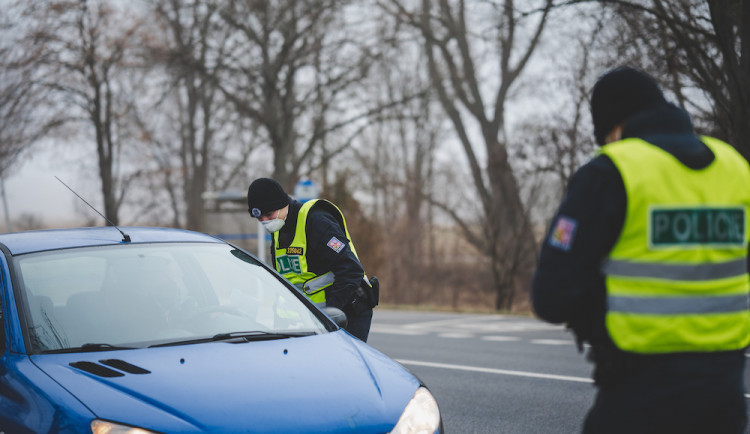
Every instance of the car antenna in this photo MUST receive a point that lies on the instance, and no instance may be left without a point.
(125, 237)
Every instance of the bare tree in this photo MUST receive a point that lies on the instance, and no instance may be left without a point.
(21, 120)
(455, 48)
(401, 146)
(290, 70)
(192, 47)
(85, 46)
(703, 44)
(557, 141)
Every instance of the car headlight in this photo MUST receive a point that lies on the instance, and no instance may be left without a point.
(421, 415)
(104, 427)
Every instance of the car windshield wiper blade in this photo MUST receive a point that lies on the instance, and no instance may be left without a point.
(89, 348)
(256, 335)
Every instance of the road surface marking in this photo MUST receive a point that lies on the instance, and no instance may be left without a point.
(486, 323)
(495, 371)
(501, 371)
(455, 335)
(395, 330)
(452, 328)
(551, 342)
(501, 338)
(450, 321)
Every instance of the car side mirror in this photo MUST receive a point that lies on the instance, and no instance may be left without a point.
(337, 315)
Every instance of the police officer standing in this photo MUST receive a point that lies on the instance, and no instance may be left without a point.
(313, 250)
(646, 261)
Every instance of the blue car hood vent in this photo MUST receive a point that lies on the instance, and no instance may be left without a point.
(103, 371)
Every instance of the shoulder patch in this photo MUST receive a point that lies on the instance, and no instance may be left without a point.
(335, 244)
(563, 232)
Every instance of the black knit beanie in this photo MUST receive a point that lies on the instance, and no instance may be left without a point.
(265, 195)
(620, 94)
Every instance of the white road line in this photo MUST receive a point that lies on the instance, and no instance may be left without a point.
(455, 335)
(501, 338)
(448, 322)
(551, 342)
(495, 371)
(395, 330)
(485, 322)
(501, 371)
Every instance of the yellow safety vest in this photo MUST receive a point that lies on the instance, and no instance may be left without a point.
(677, 278)
(291, 262)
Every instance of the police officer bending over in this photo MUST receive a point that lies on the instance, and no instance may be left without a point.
(313, 250)
(646, 260)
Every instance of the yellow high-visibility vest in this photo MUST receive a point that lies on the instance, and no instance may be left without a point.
(291, 262)
(677, 278)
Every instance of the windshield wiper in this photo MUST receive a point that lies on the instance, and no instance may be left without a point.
(256, 335)
(89, 348)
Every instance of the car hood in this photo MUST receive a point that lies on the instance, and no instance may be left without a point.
(325, 383)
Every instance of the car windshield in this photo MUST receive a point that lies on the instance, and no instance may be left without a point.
(154, 294)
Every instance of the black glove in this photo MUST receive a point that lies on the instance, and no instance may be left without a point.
(359, 304)
(369, 292)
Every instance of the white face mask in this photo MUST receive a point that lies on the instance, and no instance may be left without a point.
(273, 225)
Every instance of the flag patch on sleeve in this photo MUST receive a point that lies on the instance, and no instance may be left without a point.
(562, 234)
(335, 244)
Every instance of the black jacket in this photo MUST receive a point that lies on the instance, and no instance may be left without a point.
(321, 228)
(568, 286)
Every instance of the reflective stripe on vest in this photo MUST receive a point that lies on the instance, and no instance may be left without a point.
(693, 272)
(319, 283)
(678, 305)
(291, 262)
(677, 277)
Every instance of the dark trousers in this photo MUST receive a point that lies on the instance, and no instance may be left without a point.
(696, 393)
(358, 324)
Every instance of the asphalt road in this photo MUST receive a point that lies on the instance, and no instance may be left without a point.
(491, 373)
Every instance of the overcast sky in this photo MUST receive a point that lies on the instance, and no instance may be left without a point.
(33, 189)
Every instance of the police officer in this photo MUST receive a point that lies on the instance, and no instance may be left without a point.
(313, 250)
(646, 261)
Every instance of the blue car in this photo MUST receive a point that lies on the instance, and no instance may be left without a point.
(161, 330)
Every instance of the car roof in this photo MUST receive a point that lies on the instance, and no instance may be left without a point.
(35, 241)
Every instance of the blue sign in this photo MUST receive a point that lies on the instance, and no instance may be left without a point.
(306, 190)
